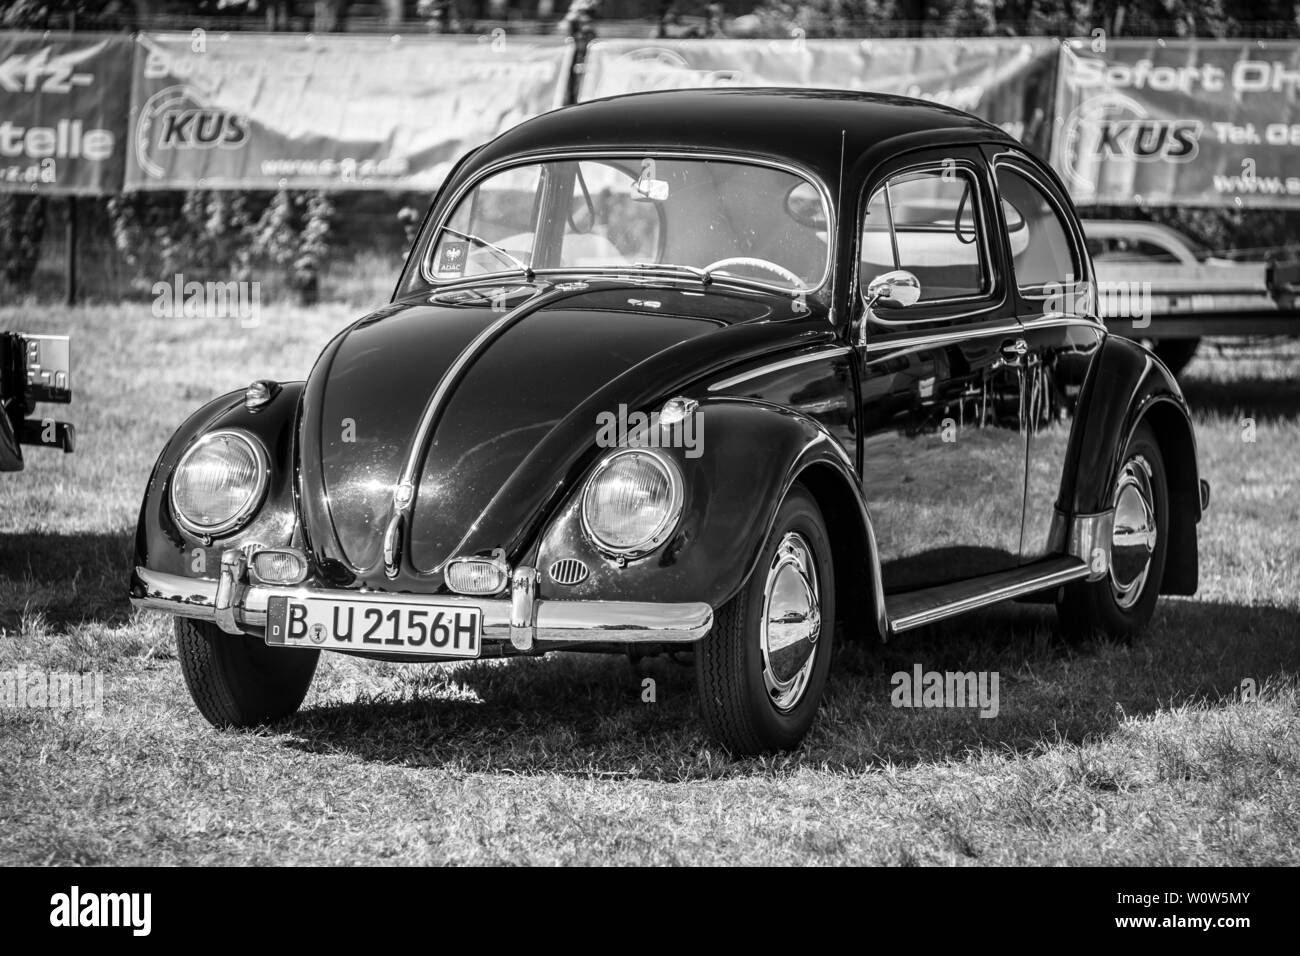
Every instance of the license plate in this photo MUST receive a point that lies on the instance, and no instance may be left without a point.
(367, 624)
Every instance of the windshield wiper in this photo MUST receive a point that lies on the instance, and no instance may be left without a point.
(701, 274)
(527, 270)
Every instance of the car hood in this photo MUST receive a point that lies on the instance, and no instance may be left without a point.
(479, 414)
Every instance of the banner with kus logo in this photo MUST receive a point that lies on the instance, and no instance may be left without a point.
(1164, 122)
(63, 104)
(261, 111)
(1006, 80)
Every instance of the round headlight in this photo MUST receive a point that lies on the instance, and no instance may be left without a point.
(219, 482)
(632, 502)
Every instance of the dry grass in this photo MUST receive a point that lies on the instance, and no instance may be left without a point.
(1100, 754)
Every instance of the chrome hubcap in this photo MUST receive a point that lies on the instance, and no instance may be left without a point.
(1133, 540)
(792, 621)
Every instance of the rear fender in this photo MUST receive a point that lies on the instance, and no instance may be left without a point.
(1126, 386)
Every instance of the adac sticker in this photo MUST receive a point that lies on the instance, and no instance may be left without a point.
(451, 259)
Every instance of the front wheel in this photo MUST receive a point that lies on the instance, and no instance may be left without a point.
(762, 669)
(1121, 603)
(236, 680)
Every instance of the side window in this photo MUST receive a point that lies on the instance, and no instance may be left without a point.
(1041, 251)
(927, 223)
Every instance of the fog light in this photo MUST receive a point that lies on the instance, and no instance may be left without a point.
(477, 575)
(279, 566)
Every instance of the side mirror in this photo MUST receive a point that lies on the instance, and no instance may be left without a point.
(893, 290)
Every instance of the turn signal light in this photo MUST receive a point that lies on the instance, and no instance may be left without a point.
(477, 575)
(280, 566)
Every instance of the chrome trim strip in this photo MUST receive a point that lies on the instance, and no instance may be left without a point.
(433, 407)
(966, 332)
(596, 154)
(994, 596)
(828, 353)
(404, 494)
(1054, 320)
(590, 622)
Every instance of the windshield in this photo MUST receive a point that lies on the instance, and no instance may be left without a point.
(693, 217)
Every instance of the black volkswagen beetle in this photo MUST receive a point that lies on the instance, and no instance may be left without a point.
(730, 371)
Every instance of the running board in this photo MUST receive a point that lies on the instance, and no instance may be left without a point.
(917, 608)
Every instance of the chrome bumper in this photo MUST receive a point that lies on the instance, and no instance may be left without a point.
(522, 618)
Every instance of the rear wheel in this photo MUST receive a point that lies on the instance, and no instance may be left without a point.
(236, 680)
(762, 670)
(1121, 603)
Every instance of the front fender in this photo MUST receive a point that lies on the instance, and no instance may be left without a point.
(751, 453)
(1128, 384)
(163, 545)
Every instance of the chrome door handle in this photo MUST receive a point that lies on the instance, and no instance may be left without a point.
(1014, 351)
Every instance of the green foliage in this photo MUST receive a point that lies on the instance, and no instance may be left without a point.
(209, 235)
(22, 227)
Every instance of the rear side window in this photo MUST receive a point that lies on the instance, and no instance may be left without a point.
(1041, 251)
(928, 224)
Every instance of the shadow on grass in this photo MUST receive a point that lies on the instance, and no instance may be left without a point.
(1264, 398)
(584, 716)
(70, 578)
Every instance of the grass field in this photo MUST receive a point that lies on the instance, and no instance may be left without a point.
(1101, 753)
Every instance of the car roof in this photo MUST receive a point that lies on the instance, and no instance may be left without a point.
(807, 127)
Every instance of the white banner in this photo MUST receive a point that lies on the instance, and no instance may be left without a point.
(1006, 80)
(268, 111)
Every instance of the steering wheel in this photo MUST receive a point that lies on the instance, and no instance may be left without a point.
(757, 263)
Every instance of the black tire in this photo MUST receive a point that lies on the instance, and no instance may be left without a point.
(1090, 608)
(735, 704)
(1176, 353)
(236, 680)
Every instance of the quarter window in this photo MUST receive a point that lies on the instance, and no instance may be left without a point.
(1041, 251)
(927, 223)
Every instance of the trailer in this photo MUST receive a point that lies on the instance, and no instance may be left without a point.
(1192, 293)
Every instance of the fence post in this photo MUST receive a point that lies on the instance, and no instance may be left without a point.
(70, 252)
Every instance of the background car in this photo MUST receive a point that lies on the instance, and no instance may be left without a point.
(33, 369)
(1193, 291)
